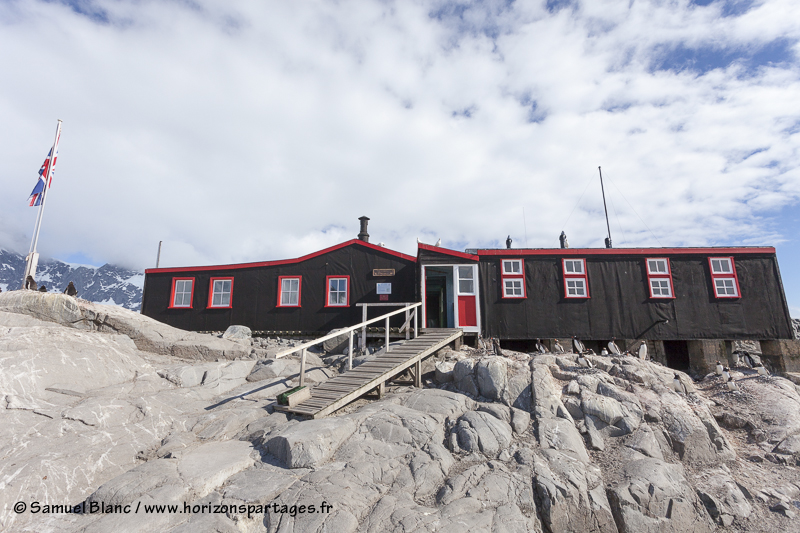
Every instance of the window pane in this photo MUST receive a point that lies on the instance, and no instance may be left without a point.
(465, 286)
(465, 272)
(216, 299)
(294, 284)
(226, 298)
(569, 266)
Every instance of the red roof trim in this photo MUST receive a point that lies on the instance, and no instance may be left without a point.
(626, 251)
(283, 261)
(447, 251)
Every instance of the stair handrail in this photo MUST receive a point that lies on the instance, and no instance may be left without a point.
(350, 329)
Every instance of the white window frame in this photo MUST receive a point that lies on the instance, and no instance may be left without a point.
(338, 291)
(659, 261)
(184, 293)
(582, 264)
(659, 276)
(221, 292)
(578, 279)
(507, 294)
(459, 279)
(721, 274)
(289, 291)
(723, 261)
(660, 288)
(510, 263)
(733, 285)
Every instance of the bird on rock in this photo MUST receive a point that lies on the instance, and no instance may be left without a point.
(679, 387)
(578, 345)
(735, 358)
(584, 362)
(749, 360)
(643, 352)
(719, 368)
(603, 352)
(613, 348)
(726, 374)
(761, 370)
(732, 386)
(540, 347)
(71, 290)
(558, 348)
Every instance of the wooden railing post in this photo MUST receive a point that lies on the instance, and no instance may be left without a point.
(364, 329)
(408, 328)
(387, 333)
(416, 329)
(350, 352)
(303, 367)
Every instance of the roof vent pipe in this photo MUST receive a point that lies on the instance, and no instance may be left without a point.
(363, 235)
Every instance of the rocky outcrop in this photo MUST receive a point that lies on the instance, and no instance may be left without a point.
(147, 334)
(505, 443)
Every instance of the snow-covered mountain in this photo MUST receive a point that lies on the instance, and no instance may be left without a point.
(107, 284)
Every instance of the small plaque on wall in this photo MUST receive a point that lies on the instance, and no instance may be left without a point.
(384, 297)
(382, 272)
(384, 288)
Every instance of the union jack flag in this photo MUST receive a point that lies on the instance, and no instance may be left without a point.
(38, 191)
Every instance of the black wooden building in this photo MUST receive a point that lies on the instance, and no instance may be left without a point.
(599, 294)
(311, 294)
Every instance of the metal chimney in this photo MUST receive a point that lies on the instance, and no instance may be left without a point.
(363, 235)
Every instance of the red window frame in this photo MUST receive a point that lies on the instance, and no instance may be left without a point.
(732, 275)
(172, 294)
(328, 295)
(299, 290)
(211, 293)
(504, 276)
(574, 276)
(659, 275)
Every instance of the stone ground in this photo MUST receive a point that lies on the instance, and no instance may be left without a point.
(105, 407)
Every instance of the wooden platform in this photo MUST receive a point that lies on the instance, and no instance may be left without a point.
(349, 386)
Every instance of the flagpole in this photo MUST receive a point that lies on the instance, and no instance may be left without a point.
(33, 256)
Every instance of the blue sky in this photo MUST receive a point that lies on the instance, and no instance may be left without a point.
(243, 131)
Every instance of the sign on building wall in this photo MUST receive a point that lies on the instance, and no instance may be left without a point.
(384, 288)
(382, 272)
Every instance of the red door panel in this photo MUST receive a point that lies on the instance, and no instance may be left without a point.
(466, 311)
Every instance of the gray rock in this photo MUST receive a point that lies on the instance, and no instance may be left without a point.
(560, 434)
(337, 344)
(546, 400)
(655, 496)
(520, 420)
(722, 497)
(238, 333)
(444, 371)
(572, 494)
(274, 368)
(644, 441)
(464, 378)
(606, 409)
(148, 334)
(491, 373)
(499, 411)
(789, 445)
(435, 401)
(479, 431)
(312, 443)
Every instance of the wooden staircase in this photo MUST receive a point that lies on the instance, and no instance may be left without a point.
(350, 385)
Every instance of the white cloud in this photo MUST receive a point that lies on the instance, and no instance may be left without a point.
(247, 131)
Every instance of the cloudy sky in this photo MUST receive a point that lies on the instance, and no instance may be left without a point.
(239, 131)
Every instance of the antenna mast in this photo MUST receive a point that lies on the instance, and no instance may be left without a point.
(608, 239)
